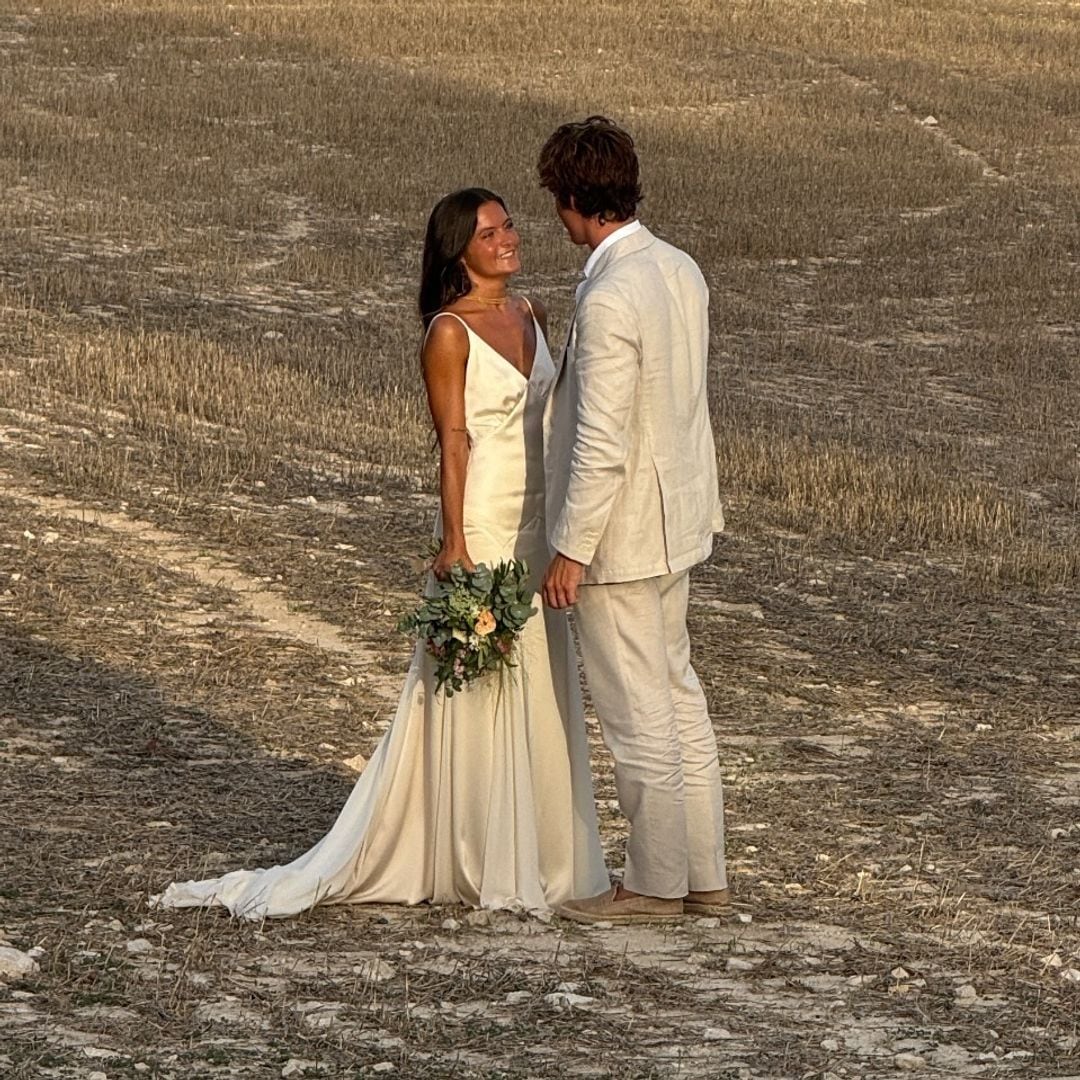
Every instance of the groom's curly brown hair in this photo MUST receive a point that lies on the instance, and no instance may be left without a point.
(591, 166)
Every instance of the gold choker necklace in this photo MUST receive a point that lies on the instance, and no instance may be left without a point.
(489, 301)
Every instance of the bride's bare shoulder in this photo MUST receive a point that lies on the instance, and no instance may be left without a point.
(446, 341)
(536, 306)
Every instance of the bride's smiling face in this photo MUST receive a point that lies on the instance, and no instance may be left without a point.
(493, 250)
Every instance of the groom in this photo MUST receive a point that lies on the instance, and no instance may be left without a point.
(632, 504)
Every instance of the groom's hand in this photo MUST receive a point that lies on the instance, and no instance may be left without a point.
(560, 588)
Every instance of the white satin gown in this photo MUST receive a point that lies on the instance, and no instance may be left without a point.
(484, 798)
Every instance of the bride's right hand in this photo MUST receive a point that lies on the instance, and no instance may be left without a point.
(450, 554)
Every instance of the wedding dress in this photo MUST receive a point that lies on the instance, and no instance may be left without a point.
(484, 798)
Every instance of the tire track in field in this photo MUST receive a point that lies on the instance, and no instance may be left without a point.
(928, 124)
(217, 570)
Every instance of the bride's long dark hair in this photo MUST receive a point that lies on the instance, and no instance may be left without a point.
(449, 229)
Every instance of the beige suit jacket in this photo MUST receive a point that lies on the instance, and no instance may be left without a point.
(630, 461)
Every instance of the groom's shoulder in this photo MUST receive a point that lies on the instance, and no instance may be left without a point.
(656, 257)
(648, 248)
(664, 250)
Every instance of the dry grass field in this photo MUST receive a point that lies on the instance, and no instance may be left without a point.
(216, 468)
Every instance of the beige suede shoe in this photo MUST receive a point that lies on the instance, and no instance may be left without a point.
(634, 909)
(716, 902)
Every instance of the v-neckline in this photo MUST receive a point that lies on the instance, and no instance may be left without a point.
(502, 356)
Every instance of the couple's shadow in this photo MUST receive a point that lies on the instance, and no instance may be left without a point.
(105, 769)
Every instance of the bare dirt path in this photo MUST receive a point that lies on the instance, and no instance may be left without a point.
(216, 570)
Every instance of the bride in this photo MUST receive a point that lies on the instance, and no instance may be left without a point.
(483, 798)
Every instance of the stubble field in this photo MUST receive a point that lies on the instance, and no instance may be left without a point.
(216, 470)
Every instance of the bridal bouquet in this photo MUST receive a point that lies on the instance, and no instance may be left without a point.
(471, 622)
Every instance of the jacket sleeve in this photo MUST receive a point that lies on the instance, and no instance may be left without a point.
(606, 368)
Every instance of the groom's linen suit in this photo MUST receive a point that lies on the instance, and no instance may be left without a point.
(632, 493)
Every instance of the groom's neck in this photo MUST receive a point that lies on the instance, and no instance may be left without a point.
(597, 233)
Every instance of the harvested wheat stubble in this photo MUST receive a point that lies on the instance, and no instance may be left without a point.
(211, 223)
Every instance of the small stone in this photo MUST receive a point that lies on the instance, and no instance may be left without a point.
(737, 963)
(716, 1034)
(929, 121)
(319, 1015)
(832, 1045)
(451, 924)
(966, 995)
(383, 1067)
(518, 997)
(139, 946)
(909, 1062)
(561, 999)
(745, 917)
(478, 918)
(1071, 975)
(15, 964)
(375, 970)
(299, 1066)
(358, 763)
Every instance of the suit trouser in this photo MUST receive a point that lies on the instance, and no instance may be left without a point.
(655, 721)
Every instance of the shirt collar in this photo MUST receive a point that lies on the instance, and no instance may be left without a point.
(610, 240)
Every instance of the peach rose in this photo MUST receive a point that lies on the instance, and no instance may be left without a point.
(485, 623)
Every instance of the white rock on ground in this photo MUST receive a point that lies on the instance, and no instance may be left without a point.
(299, 1066)
(375, 970)
(319, 1015)
(909, 1062)
(562, 999)
(15, 964)
(715, 1034)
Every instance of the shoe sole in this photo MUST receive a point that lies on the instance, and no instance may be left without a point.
(616, 920)
(707, 909)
